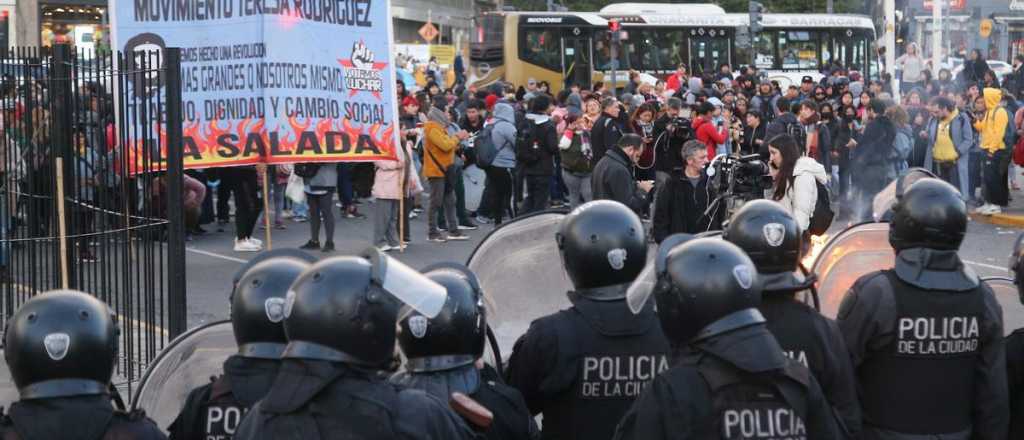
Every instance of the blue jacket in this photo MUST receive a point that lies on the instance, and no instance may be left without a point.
(963, 140)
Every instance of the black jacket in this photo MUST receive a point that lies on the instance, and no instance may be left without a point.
(545, 139)
(613, 180)
(604, 135)
(868, 319)
(1015, 377)
(870, 160)
(680, 208)
(750, 138)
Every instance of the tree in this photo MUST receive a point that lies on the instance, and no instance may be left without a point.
(841, 6)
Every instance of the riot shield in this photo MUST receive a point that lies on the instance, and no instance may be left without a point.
(887, 197)
(189, 361)
(853, 253)
(521, 274)
(1006, 294)
(8, 392)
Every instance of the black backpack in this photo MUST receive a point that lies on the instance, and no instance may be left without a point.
(486, 151)
(796, 130)
(823, 214)
(306, 170)
(527, 150)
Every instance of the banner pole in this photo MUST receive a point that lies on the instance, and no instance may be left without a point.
(266, 207)
(401, 211)
(62, 224)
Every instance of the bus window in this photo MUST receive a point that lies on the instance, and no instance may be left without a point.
(602, 53)
(655, 49)
(764, 50)
(541, 47)
(799, 49)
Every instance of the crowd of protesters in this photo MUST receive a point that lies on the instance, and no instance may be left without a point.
(648, 146)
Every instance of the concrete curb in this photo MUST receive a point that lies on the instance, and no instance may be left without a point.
(1011, 220)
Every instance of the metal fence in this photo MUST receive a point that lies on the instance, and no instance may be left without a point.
(90, 197)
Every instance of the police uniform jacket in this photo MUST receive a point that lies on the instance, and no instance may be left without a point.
(75, 418)
(926, 342)
(687, 402)
(215, 409)
(320, 400)
(1015, 376)
(583, 366)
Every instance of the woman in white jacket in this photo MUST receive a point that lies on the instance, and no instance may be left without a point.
(794, 177)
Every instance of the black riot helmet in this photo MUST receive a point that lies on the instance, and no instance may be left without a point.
(602, 244)
(771, 237)
(1017, 266)
(453, 338)
(345, 309)
(257, 306)
(708, 287)
(930, 214)
(61, 343)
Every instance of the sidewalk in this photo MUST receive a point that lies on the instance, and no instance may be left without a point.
(1012, 215)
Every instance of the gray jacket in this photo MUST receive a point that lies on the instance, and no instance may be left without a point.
(963, 139)
(326, 177)
(504, 135)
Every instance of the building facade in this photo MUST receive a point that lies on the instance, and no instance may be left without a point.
(962, 23)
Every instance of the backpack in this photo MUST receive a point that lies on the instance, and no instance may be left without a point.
(484, 146)
(306, 170)
(1010, 135)
(823, 214)
(796, 130)
(527, 151)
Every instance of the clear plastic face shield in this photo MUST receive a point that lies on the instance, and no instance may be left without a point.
(643, 287)
(406, 284)
(885, 199)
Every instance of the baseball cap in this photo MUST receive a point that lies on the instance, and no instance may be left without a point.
(807, 79)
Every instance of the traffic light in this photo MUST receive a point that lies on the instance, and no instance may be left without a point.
(756, 9)
(614, 26)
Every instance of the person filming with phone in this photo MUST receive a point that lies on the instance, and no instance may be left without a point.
(612, 178)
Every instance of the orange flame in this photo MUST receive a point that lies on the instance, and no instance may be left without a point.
(818, 243)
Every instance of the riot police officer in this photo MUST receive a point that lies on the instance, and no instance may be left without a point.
(925, 337)
(732, 379)
(583, 366)
(443, 355)
(257, 310)
(771, 238)
(340, 317)
(1015, 348)
(61, 347)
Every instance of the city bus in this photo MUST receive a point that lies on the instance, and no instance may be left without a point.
(560, 48)
(556, 47)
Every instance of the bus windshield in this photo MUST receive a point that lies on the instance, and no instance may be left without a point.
(812, 49)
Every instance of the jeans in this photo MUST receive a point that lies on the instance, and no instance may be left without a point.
(947, 171)
(579, 188)
(385, 224)
(538, 192)
(996, 178)
(442, 197)
(499, 181)
(345, 192)
(277, 197)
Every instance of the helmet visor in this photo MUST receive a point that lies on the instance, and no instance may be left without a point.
(640, 291)
(408, 285)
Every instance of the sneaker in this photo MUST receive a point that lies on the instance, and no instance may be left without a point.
(351, 212)
(417, 209)
(436, 238)
(413, 214)
(280, 226)
(300, 219)
(222, 221)
(328, 247)
(244, 245)
(287, 213)
(981, 209)
(992, 209)
(457, 236)
(484, 220)
(467, 225)
(87, 257)
(386, 248)
(257, 241)
(310, 245)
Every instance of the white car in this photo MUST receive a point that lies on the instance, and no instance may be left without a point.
(1000, 68)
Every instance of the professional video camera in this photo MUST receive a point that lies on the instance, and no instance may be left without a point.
(738, 179)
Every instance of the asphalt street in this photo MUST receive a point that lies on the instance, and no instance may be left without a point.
(211, 261)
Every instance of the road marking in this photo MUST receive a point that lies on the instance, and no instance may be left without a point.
(1001, 269)
(216, 255)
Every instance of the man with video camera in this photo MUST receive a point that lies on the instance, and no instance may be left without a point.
(671, 131)
(687, 195)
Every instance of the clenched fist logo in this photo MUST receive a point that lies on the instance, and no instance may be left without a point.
(362, 57)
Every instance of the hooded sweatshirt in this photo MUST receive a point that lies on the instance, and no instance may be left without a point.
(504, 135)
(993, 126)
(801, 197)
(439, 147)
